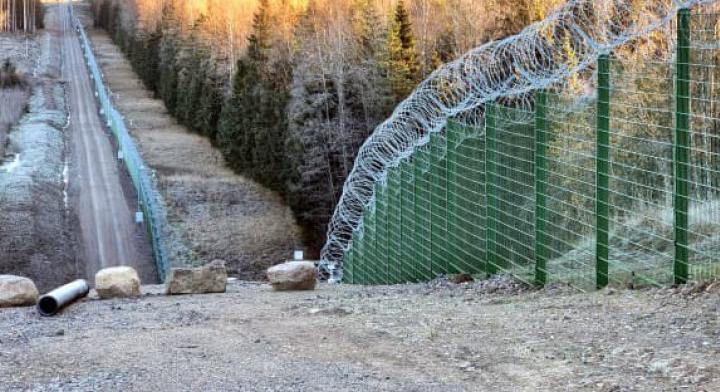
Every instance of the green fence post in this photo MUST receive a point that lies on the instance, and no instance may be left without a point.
(682, 147)
(541, 177)
(602, 161)
(491, 266)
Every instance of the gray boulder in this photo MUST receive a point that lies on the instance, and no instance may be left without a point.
(117, 282)
(17, 291)
(293, 275)
(211, 278)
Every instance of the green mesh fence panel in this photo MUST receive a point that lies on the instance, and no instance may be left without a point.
(621, 188)
(437, 178)
(703, 48)
(466, 210)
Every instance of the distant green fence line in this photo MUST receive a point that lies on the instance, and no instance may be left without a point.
(623, 189)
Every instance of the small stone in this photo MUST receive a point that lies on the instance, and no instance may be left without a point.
(117, 282)
(17, 291)
(660, 366)
(336, 311)
(60, 332)
(211, 278)
(462, 278)
(293, 275)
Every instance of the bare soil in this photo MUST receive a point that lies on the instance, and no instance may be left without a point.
(487, 336)
(213, 213)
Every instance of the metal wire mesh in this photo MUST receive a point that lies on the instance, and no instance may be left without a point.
(617, 186)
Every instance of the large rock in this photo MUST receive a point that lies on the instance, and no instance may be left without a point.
(117, 282)
(293, 275)
(211, 278)
(17, 291)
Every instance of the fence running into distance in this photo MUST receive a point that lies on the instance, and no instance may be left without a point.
(621, 188)
(149, 199)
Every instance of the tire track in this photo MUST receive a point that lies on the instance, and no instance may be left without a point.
(109, 235)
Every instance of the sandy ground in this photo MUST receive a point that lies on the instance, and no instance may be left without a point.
(105, 208)
(488, 336)
(212, 212)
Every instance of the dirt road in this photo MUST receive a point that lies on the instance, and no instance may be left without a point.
(484, 336)
(104, 206)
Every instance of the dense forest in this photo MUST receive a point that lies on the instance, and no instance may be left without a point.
(289, 89)
(21, 15)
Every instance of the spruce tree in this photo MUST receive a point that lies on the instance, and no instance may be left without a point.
(445, 48)
(211, 102)
(253, 124)
(168, 73)
(259, 40)
(151, 74)
(401, 63)
(234, 134)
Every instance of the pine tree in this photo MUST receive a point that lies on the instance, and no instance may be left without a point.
(401, 64)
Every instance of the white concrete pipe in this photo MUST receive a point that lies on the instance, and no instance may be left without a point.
(52, 302)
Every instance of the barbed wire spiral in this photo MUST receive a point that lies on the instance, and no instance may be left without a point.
(566, 43)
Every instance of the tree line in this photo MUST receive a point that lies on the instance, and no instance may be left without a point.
(289, 91)
(21, 15)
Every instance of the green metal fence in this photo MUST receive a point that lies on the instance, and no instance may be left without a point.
(620, 189)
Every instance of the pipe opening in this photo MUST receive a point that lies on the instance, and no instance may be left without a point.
(47, 306)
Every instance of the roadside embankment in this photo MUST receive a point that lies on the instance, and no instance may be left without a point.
(35, 236)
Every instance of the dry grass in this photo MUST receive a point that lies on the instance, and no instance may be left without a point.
(218, 214)
(12, 106)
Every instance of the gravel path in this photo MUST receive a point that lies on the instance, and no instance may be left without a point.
(429, 337)
(105, 208)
